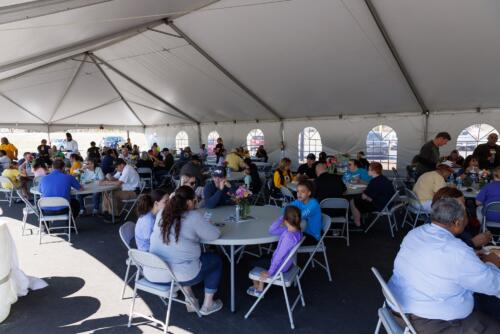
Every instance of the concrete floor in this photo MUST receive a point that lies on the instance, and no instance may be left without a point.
(85, 282)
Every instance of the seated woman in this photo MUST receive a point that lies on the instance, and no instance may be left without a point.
(376, 195)
(76, 163)
(176, 239)
(356, 174)
(310, 212)
(470, 167)
(456, 158)
(251, 170)
(490, 193)
(148, 205)
(288, 228)
(282, 176)
(91, 173)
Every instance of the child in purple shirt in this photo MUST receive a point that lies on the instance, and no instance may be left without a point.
(288, 228)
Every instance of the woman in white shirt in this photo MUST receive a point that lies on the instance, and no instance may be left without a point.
(176, 239)
(70, 145)
(91, 174)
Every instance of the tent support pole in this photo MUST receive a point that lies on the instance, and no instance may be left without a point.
(397, 57)
(68, 87)
(156, 96)
(225, 71)
(116, 89)
(199, 134)
(426, 127)
(282, 131)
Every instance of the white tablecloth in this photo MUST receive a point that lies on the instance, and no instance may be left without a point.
(13, 282)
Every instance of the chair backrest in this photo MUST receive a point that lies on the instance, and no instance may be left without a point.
(326, 222)
(395, 172)
(293, 253)
(334, 203)
(47, 202)
(127, 233)
(144, 170)
(391, 202)
(393, 303)
(5, 180)
(412, 198)
(287, 193)
(147, 260)
(492, 207)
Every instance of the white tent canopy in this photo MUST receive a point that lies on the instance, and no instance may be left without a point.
(237, 65)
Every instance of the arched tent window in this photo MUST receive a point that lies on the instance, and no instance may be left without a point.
(255, 138)
(181, 140)
(309, 142)
(212, 141)
(472, 136)
(382, 146)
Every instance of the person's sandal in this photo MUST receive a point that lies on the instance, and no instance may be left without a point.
(216, 306)
(190, 307)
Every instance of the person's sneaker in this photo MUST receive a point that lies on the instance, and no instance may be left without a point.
(81, 212)
(190, 308)
(216, 306)
(252, 291)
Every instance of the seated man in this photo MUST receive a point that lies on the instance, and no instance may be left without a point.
(436, 274)
(128, 179)
(218, 192)
(234, 161)
(308, 169)
(193, 168)
(327, 185)
(59, 184)
(429, 183)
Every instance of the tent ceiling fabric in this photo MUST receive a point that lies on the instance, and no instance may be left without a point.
(302, 58)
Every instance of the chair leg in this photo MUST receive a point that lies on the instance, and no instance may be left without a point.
(126, 279)
(25, 218)
(327, 265)
(69, 227)
(39, 231)
(390, 225)
(379, 323)
(288, 308)
(169, 305)
(257, 301)
(373, 223)
(347, 231)
(131, 315)
(300, 291)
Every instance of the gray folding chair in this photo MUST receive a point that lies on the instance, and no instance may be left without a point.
(129, 204)
(288, 196)
(385, 315)
(319, 247)
(388, 211)
(46, 220)
(146, 175)
(493, 207)
(338, 203)
(285, 280)
(29, 209)
(127, 233)
(166, 292)
(7, 191)
(275, 200)
(414, 210)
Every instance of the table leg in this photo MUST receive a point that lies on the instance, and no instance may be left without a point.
(112, 207)
(233, 308)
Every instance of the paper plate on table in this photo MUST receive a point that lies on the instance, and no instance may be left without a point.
(490, 249)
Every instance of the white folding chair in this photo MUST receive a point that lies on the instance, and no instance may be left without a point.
(338, 203)
(413, 208)
(326, 223)
(388, 211)
(146, 174)
(46, 220)
(493, 207)
(132, 202)
(385, 315)
(8, 190)
(127, 233)
(285, 280)
(28, 209)
(287, 196)
(166, 292)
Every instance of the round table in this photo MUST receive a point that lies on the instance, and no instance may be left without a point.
(88, 189)
(253, 231)
(352, 189)
(469, 194)
(235, 176)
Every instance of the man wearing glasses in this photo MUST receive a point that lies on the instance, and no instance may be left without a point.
(488, 154)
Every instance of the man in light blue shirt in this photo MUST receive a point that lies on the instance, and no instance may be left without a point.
(435, 275)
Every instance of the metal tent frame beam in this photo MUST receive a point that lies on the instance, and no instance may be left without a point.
(225, 71)
(116, 99)
(144, 88)
(116, 89)
(397, 57)
(158, 110)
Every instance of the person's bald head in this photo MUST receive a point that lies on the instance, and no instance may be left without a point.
(320, 168)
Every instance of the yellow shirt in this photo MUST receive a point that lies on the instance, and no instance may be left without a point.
(76, 165)
(427, 185)
(10, 149)
(277, 179)
(12, 175)
(234, 162)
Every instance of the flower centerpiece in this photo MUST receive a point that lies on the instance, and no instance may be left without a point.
(242, 199)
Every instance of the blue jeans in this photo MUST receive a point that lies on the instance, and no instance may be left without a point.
(96, 199)
(210, 272)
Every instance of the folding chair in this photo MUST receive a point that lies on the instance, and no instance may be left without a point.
(287, 196)
(127, 233)
(319, 247)
(285, 280)
(493, 207)
(47, 202)
(389, 209)
(262, 191)
(271, 197)
(146, 175)
(385, 315)
(132, 201)
(338, 203)
(165, 292)
(413, 207)
(27, 210)
(9, 193)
